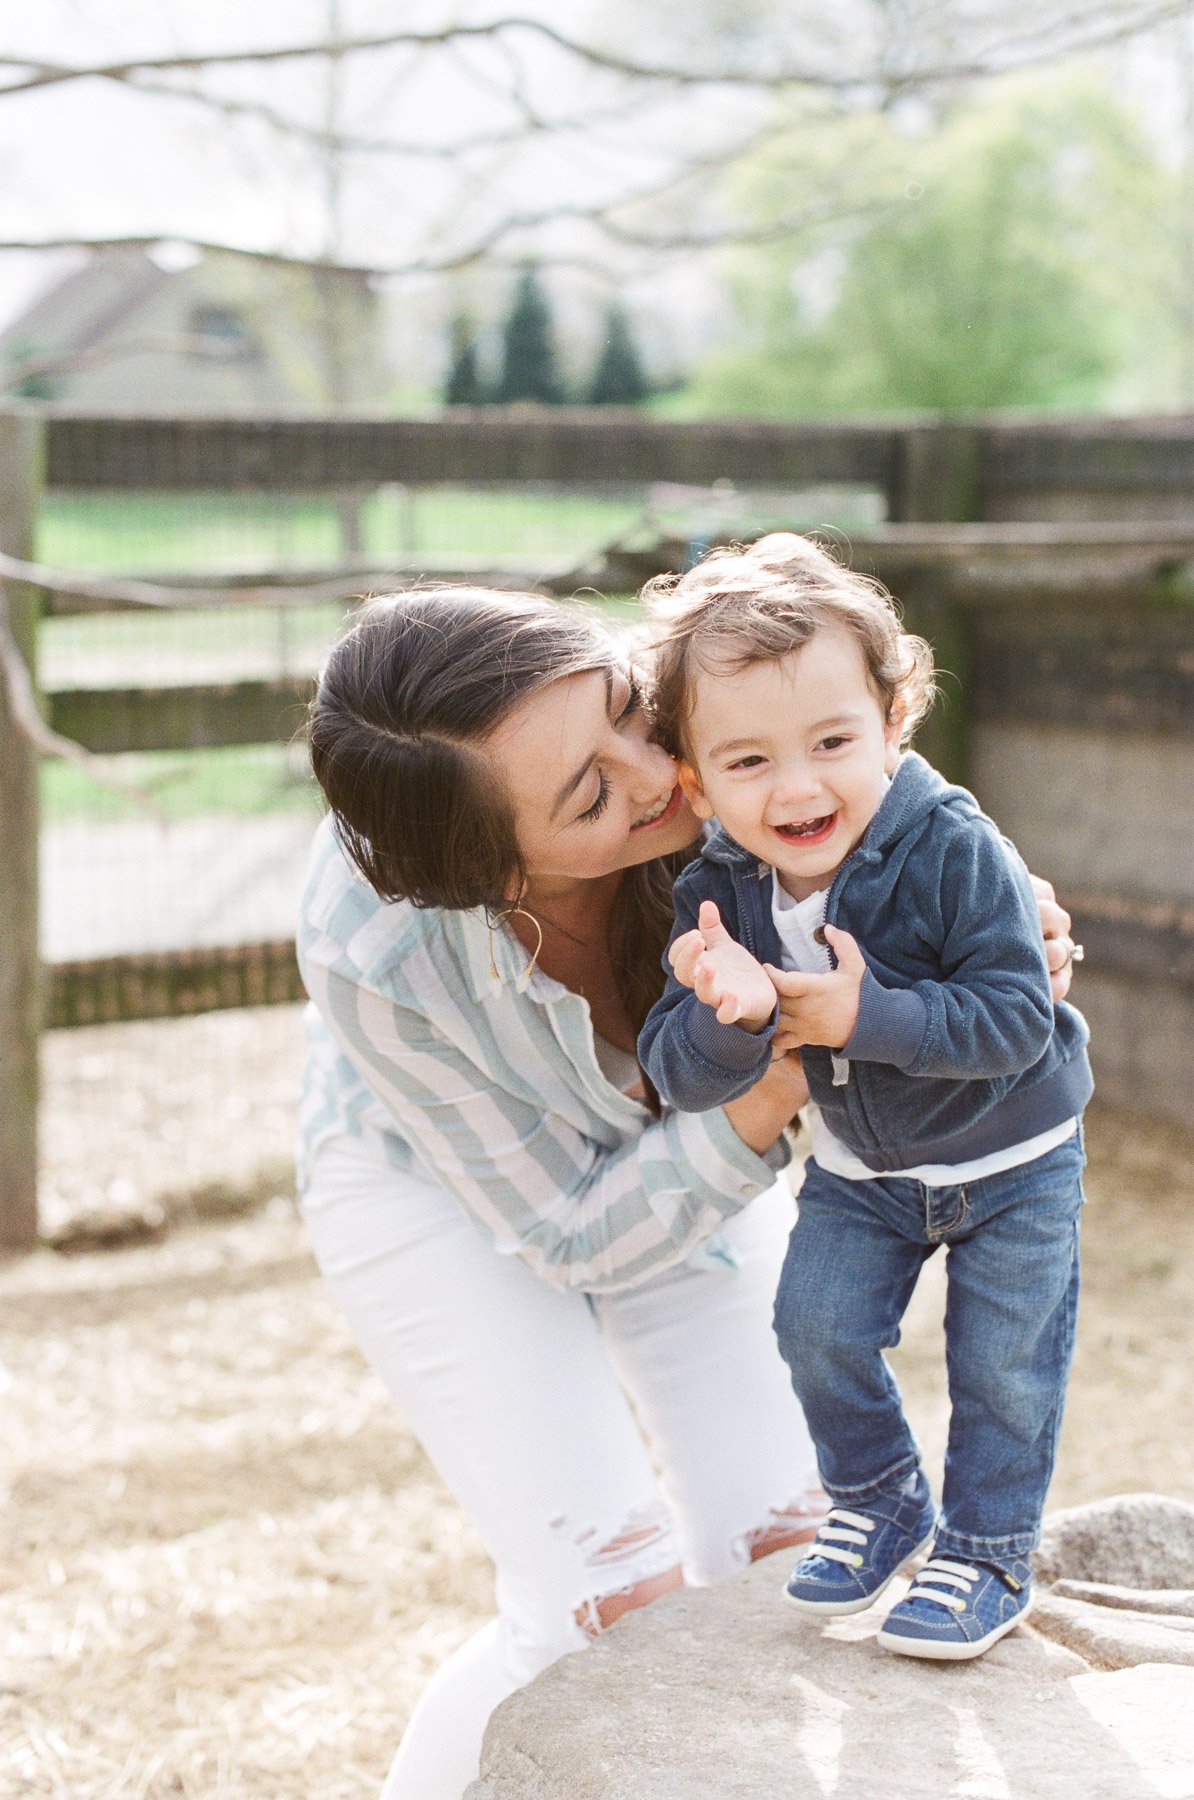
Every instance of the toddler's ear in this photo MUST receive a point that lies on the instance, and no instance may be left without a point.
(893, 731)
(690, 781)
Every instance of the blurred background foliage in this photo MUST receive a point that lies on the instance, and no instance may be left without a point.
(1020, 246)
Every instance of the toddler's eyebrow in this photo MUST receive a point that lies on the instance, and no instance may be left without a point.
(730, 744)
(845, 718)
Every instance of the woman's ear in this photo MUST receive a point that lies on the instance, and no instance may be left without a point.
(694, 793)
(893, 733)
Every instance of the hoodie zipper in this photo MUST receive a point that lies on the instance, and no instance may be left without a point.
(855, 1090)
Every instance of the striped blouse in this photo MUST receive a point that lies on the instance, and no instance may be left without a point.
(428, 1034)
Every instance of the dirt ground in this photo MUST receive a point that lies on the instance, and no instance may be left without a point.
(226, 1569)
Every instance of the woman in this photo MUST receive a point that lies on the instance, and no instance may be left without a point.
(537, 1263)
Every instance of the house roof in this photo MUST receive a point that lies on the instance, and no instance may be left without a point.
(77, 312)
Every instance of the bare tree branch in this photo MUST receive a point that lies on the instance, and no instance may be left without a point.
(23, 709)
(986, 39)
(352, 582)
(358, 144)
(1075, 30)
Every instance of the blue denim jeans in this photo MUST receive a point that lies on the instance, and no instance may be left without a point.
(1012, 1267)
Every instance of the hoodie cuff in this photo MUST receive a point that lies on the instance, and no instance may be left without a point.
(891, 1025)
(729, 1047)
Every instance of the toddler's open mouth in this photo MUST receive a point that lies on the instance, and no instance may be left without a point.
(808, 831)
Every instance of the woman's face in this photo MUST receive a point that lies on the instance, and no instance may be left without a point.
(591, 793)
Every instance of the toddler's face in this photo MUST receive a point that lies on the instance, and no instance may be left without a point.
(791, 756)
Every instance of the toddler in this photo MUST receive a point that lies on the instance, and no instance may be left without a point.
(850, 903)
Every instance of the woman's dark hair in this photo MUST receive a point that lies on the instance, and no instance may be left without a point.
(402, 706)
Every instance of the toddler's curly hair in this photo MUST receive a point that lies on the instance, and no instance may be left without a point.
(757, 602)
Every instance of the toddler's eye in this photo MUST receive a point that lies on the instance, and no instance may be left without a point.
(833, 743)
(746, 762)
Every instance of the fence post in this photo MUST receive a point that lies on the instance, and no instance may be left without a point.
(937, 480)
(937, 474)
(20, 986)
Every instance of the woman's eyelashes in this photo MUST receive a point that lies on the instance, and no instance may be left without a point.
(630, 706)
(633, 700)
(601, 802)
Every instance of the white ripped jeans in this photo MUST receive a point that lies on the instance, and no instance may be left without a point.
(532, 1403)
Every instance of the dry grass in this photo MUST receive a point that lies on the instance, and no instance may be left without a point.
(226, 1568)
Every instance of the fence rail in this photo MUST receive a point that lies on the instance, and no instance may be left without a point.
(1051, 563)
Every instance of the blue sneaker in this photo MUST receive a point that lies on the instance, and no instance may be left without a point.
(855, 1555)
(957, 1609)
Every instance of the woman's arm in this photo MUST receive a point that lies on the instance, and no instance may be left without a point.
(580, 1213)
(760, 1116)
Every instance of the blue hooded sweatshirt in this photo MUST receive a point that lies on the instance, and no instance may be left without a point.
(958, 1050)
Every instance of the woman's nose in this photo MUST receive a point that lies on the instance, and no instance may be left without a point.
(650, 770)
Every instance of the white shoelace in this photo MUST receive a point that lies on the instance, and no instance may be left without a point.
(954, 1575)
(845, 1528)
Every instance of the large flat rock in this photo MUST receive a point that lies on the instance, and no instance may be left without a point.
(726, 1694)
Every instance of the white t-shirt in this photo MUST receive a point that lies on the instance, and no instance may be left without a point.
(797, 923)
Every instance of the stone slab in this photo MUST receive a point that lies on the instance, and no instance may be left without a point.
(726, 1694)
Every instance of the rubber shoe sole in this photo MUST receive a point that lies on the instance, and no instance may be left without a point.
(942, 1650)
(840, 1609)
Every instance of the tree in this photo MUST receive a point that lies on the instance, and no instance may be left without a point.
(463, 386)
(629, 145)
(619, 378)
(1005, 256)
(529, 370)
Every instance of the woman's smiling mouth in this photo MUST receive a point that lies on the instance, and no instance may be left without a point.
(664, 813)
(808, 831)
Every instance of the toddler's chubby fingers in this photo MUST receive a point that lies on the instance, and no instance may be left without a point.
(707, 984)
(715, 990)
(790, 984)
(684, 954)
(710, 927)
(849, 957)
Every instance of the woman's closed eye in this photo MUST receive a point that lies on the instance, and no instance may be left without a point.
(630, 706)
(602, 801)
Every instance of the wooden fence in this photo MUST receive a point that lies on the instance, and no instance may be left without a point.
(1051, 564)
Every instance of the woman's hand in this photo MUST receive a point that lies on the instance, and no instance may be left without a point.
(1061, 952)
(772, 1103)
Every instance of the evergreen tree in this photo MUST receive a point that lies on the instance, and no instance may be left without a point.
(464, 386)
(529, 370)
(618, 379)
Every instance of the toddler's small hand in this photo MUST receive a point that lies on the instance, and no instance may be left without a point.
(722, 973)
(820, 1009)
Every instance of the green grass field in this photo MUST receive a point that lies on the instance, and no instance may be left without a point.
(243, 782)
(168, 534)
(207, 533)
